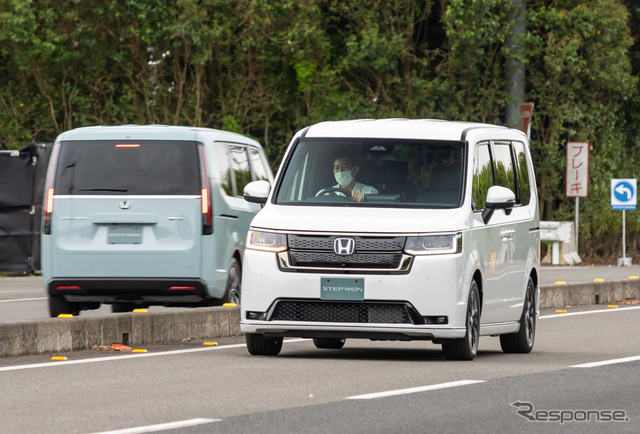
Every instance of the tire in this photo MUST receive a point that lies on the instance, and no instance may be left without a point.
(467, 347)
(522, 341)
(329, 343)
(233, 293)
(59, 306)
(260, 345)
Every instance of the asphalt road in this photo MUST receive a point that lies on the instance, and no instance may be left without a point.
(24, 298)
(367, 387)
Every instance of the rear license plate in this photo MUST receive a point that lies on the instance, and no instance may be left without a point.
(125, 234)
(341, 289)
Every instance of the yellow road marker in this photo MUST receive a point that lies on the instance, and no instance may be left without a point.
(612, 306)
(560, 282)
(138, 350)
(58, 358)
(65, 315)
(561, 311)
(210, 343)
(140, 310)
(598, 280)
(229, 305)
(633, 277)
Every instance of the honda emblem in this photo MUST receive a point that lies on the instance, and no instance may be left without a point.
(344, 246)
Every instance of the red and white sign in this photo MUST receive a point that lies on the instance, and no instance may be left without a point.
(526, 111)
(577, 178)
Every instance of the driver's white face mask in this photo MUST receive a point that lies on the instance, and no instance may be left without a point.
(344, 178)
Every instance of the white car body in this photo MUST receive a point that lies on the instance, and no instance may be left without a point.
(423, 295)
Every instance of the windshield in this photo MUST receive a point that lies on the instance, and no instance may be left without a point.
(373, 172)
(125, 167)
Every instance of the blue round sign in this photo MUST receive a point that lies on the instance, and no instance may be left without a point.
(623, 191)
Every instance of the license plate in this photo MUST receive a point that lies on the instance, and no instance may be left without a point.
(341, 289)
(125, 234)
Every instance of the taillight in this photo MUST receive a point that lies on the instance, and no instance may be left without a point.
(207, 211)
(49, 191)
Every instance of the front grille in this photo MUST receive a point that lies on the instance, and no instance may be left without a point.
(316, 251)
(345, 312)
(361, 260)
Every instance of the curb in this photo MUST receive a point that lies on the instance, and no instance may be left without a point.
(69, 334)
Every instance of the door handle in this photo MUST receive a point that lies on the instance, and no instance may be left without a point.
(507, 234)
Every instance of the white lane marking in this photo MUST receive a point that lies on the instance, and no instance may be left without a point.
(607, 362)
(127, 356)
(23, 299)
(416, 389)
(162, 426)
(586, 312)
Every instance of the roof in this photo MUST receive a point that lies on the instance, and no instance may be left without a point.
(151, 132)
(399, 128)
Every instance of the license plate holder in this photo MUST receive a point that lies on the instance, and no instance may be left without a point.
(332, 288)
(124, 234)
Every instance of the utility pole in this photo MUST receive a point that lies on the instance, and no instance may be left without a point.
(515, 68)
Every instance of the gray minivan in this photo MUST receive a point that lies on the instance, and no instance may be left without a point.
(147, 215)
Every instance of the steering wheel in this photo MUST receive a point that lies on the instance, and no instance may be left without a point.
(334, 191)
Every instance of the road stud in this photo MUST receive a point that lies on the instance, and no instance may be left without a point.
(210, 343)
(561, 311)
(612, 306)
(598, 280)
(138, 350)
(229, 305)
(140, 310)
(560, 282)
(65, 315)
(58, 358)
(633, 277)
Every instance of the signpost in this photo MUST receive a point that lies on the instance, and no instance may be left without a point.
(624, 196)
(577, 176)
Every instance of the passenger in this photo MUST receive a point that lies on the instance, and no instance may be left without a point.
(345, 173)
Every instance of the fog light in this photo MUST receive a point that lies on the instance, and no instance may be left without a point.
(256, 315)
(436, 320)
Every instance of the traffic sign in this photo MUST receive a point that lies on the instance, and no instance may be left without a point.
(624, 194)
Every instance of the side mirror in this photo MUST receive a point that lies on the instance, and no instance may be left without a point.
(498, 198)
(257, 191)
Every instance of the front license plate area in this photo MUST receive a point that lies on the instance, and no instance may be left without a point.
(124, 234)
(341, 289)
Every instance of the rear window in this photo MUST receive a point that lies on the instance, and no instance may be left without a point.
(126, 167)
(384, 173)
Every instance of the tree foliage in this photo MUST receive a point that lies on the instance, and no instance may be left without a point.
(268, 67)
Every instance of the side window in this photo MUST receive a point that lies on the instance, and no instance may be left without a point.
(505, 175)
(259, 167)
(224, 168)
(522, 170)
(240, 167)
(482, 176)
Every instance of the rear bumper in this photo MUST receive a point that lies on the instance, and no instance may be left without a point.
(148, 290)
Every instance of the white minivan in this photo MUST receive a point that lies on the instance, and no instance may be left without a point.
(141, 215)
(395, 229)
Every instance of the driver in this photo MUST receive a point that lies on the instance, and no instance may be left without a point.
(345, 173)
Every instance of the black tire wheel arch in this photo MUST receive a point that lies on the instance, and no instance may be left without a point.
(260, 345)
(522, 341)
(233, 290)
(467, 347)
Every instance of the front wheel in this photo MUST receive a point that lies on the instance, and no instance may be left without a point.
(260, 345)
(522, 342)
(467, 347)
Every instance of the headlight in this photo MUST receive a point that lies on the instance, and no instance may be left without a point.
(266, 241)
(434, 244)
